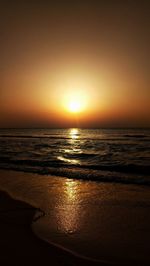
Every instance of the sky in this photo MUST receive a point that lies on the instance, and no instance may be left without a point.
(94, 54)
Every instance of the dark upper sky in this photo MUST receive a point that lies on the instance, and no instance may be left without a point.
(103, 43)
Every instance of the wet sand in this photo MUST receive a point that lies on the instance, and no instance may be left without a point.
(19, 245)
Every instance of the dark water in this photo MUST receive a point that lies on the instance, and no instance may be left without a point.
(116, 155)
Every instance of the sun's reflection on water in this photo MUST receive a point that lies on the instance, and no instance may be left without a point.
(68, 212)
(69, 154)
(73, 133)
(61, 158)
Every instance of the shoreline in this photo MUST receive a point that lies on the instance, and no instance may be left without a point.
(21, 246)
(15, 222)
(102, 177)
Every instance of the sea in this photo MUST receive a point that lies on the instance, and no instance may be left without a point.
(108, 155)
(91, 188)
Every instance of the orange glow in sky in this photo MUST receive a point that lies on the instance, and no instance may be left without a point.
(75, 64)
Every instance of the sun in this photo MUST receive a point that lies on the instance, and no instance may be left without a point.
(75, 101)
(74, 106)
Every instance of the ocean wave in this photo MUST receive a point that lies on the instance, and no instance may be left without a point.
(116, 174)
(117, 167)
(101, 154)
(79, 137)
(33, 137)
(135, 136)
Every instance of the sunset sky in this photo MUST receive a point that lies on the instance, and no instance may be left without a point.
(74, 63)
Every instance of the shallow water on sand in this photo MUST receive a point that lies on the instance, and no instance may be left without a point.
(102, 221)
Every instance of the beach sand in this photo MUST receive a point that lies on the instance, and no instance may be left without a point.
(20, 246)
